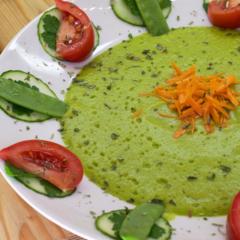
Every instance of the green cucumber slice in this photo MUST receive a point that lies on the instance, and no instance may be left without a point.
(161, 230)
(35, 183)
(54, 12)
(126, 13)
(166, 6)
(138, 223)
(20, 94)
(109, 223)
(96, 37)
(123, 12)
(21, 113)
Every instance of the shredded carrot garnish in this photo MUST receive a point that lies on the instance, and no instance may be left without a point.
(193, 97)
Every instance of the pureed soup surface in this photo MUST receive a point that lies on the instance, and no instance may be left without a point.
(138, 159)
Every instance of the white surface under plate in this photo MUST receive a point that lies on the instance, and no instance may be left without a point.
(75, 213)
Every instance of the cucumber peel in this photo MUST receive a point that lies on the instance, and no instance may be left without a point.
(110, 223)
(17, 111)
(35, 183)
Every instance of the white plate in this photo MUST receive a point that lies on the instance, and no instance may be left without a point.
(76, 213)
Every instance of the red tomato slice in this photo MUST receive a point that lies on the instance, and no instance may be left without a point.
(75, 39)
(224, 13)
(233, 224)
(47, 160)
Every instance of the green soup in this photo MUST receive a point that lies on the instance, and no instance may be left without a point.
(139, 160)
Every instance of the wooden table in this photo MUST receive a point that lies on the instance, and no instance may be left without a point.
(18, 221)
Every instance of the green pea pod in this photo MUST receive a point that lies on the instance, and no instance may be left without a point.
(31, 99)
(152, 16)
(138, 223)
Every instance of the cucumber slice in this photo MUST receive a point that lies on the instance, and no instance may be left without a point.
(96, 37)
(161, 230)
(35, 183)
(54, 12)
(123, 11)
(18, 112)
(110, 223)
(166, 6)
(139, 221)
(205, 5)
(41, 30)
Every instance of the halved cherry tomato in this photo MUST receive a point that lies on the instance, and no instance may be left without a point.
(233, 224)
(224, 13)
(75, 39)
(47, 160)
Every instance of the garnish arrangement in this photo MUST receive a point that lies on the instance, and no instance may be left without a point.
(67, 33)
(192, 97)
(160, 140)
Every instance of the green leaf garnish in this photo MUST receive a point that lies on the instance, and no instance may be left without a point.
(51, 26)
(12, 171)
(156, 232)
(25, 178)
(117, 220)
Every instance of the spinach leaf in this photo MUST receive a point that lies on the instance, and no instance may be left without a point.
(12, 171)
(50, 39)
(156, 232)
(51, 26)
(117, 220)
(50, 189)
(32, 181)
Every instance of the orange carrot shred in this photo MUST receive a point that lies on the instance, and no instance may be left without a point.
(167, 115)
(179, 133)
(177, 69)
(193, 97)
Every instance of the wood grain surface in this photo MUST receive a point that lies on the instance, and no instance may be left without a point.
(15, 14)
(18, 221)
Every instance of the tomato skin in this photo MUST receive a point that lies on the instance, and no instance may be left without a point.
(47, 160)
(81, 49)
(233, 221)
(221, 16)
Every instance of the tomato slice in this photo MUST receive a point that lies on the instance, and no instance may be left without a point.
(47, 160)
(233, 224)
(75, 40)
(224, 13)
